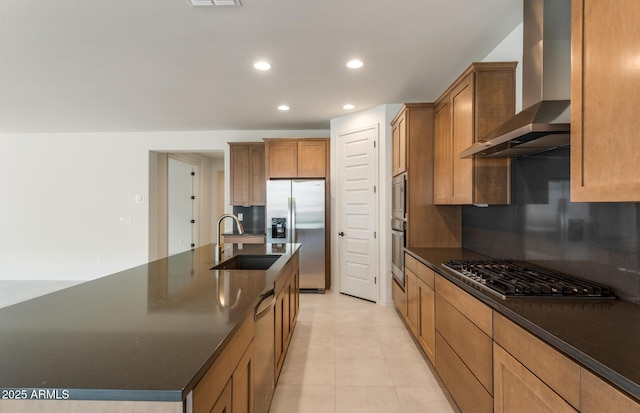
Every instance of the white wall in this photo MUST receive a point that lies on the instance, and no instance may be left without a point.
(382, 116)
(62, 195)
(510, 50)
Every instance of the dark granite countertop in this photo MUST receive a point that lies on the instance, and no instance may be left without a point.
(147, 333)
(601, 335)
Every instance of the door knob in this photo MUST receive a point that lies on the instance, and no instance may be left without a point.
(341, 233)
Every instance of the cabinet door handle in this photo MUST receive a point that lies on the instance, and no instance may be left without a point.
(341, 233)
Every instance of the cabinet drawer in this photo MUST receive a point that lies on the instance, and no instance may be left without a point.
(519, 390)
(399, 298)
(466, 390)
(474, 310)
(411, 263)
(283, 277)
(469, 342)
(553, 368)
(598, 397)
(421, 271)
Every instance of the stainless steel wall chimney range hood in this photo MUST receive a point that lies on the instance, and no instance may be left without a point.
(546, 86)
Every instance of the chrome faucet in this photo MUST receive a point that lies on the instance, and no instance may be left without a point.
(219, 248)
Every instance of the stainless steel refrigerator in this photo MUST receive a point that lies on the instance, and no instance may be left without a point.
(295, 213)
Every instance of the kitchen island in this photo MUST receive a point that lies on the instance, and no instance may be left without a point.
(142, 338)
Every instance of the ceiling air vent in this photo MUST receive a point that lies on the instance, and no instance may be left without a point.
(216, 2)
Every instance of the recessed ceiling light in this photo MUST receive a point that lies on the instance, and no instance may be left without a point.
(348, 106)
(283, 107)
(355, 64)
(262, 65)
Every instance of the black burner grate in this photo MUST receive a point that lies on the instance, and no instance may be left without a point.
(508, 278)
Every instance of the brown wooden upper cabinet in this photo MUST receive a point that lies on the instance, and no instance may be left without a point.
(427, 225)
(605, 78)
(248, 186)
(399, 143)
(480, 100)
(296, 158)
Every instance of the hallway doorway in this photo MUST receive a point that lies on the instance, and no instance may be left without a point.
(165, 236)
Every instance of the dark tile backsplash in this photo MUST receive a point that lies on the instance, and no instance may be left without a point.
(596, 241)
(252, 219)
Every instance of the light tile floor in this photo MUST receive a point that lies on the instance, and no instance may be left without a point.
(351, 355)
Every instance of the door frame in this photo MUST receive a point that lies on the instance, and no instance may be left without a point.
(208, 180)
(337, 222)
(194, 206)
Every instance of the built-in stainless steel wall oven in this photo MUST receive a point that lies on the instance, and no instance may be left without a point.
(398, 229)
(398, 199)
(398, 226)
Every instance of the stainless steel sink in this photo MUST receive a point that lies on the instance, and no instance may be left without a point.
(247, 262)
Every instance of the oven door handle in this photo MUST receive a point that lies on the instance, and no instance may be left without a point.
(398, 225)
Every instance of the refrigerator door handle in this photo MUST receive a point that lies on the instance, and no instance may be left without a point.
(294, 232)
(289, 219)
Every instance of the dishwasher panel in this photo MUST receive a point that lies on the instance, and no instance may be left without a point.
(264, 351)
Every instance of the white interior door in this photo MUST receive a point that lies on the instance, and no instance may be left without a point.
(357, 200)
(181, 206)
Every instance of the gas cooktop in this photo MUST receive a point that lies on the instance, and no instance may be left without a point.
(517, 279)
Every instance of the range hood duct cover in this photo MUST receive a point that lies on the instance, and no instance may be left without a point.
(545, 124)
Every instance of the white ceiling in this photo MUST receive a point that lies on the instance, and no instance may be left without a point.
(149, 65)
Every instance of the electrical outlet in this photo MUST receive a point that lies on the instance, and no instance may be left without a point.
(139, 199)
(126, 220)
(240, 216)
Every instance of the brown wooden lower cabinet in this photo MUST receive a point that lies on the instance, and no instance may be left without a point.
(470, 343)
(427, 325)
(413, 300)
(466, 390)
(420, 304)
(490, 364)
(243, 384)
(553, 368)
(286, 310)
(518, 390)
(294, 296)
(464, 349)
(399, 297)
(233, 365)
(477, 312)
(467, 326)
(281, 328)
(597, 396)
(225, 400)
